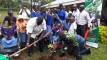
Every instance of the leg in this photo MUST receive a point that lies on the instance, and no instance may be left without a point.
(30, 50)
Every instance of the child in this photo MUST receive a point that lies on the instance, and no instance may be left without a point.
(8, 44)
(21, 29)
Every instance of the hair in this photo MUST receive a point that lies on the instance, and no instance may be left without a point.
(39, 20)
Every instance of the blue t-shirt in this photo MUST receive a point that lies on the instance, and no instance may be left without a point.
(43, 14)
(9, 43)
(35, 14)
(61, 14)
(67, 25)
(49, 20)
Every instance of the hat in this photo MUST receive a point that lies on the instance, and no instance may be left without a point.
(22, 17)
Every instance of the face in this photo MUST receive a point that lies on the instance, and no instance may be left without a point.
(20, 20)
(74, 8)
(72, 19)
(10, 14)
(81, 8)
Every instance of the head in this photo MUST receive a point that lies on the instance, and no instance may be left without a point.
(81, 7)
(68, 9)
(71, 18)
(34, 7)
(74, 7)
(21, 20)
(10, 13)
(61, 6)
(39, 20)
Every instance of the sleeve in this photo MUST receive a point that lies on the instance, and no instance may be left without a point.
(44, 25)
(20, 11)
(88, 17)
(28, 11)
(30, 26)
(75, 25)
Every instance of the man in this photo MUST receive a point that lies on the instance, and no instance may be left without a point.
(68, 11)
(36, 28)
(35, 12)
(61, 14)
(75, 11)
(83, 21)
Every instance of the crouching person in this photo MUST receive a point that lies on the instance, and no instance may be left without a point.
(8, 45)
(36, 30)
(79, 49)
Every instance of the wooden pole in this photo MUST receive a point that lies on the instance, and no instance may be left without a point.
(23, 49)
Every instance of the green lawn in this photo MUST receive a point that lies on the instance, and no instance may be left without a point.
(96, 54)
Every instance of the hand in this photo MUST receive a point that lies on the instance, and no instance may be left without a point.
(27, 45)
(89, 25)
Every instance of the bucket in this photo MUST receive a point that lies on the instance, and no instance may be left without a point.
(2, 57)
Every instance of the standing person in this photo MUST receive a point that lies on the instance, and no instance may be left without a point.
(36, 29)
(24, 11)
(73, 25)
(83, 21)
(49, 23)
(35, 12)
(9, 24)
(68, 11)
(61, 14)
(75, 11)
(21, 29)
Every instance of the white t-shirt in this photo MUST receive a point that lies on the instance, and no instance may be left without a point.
(83, 18)
(76, 13)
(73, 27)
(33, 28)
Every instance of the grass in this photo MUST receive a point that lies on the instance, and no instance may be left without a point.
(96, 54)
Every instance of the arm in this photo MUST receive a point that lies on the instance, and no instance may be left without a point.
(88, 19)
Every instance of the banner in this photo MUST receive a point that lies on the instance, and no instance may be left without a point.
(92, 6)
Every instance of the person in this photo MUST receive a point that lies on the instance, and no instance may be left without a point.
(49, 23)
(61, 14)
(21, 30)
(83, 21)
(73, 25)
(75, 11)
(25, 11)
(36, 29)
(35, 11)
(10, 19)
(8, 44)
(9, 24)
(68, 11)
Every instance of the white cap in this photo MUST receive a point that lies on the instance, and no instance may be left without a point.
(22, 17)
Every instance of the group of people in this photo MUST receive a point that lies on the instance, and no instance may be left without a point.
(46, 25)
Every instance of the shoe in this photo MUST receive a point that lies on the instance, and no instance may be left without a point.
(85, 52)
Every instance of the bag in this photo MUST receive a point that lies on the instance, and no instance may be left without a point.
(92, 37)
